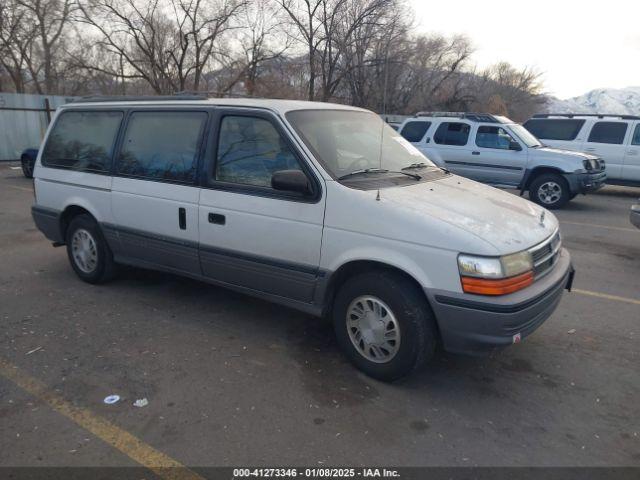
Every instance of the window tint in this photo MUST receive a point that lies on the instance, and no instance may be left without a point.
(250, 151)
(162, 145)
(451, 133)
(82, 141)
(636, 136)
(608, 132)
(414, 131)
(493, 137)
(554, 129)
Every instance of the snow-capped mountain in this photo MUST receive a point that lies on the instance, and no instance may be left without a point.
(624, 101)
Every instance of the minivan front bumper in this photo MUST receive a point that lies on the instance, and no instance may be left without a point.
(475, 324)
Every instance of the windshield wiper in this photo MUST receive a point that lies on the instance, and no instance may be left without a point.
(379, 170)
(416, 165)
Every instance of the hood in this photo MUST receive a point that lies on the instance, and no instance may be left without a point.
(506, 221)
(554, 152)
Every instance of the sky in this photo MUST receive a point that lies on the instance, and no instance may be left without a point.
(578, 46)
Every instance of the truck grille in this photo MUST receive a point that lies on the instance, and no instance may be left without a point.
(545, 255)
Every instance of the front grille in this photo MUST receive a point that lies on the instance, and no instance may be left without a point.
(545, 255)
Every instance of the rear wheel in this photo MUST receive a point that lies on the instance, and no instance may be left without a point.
(27, 166)
(88, 251)
(384, 324)
(550, 190)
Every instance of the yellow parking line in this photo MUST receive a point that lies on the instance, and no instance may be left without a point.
(623, 229)
(604, 295)
(147, 456)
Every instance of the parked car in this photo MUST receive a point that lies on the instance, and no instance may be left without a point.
(497, 151)
(315, 206)
(635, 214)
(614, 138)
(28, 160)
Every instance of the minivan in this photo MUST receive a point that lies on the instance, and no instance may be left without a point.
(319, 207)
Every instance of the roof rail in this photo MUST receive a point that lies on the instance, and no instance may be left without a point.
(595, 115)
(474, 117)
(142, 98)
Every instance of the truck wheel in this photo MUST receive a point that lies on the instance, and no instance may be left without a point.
(384, 324)
(88, 251)
(549, 190)
(27, 168)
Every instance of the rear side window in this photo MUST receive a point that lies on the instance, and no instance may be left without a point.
(250, 151)
(82, 141)
(608, 132)
(452, 133)
(415, 131)
(636, 136)
(493, 137)
(162, 146)
(555, 129)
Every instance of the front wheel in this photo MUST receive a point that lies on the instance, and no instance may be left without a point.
(88, 252)
(384, 324)
(549, 190)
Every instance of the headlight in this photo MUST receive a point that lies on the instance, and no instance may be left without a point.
(495, 275)
(587, 165)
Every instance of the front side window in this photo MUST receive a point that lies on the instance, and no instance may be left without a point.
(636, 136)
(493, 137)
(82, 141)
(162, 146)
(555, 129)
(608, 132)
(250, 151)
(415, 131)
(452, 133)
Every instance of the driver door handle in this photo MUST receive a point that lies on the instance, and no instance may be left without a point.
(475, 153)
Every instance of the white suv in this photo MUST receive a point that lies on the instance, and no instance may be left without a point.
(614, 138)
(495, 150)
(318, 207)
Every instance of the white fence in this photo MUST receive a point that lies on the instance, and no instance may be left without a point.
(23, 121)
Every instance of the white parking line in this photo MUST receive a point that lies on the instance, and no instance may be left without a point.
(623, 229)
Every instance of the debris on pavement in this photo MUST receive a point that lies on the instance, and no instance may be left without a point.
(111, 399)
(141, 402)
(572, 331)
(33, 351)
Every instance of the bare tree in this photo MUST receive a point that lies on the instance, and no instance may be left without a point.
(17, 34)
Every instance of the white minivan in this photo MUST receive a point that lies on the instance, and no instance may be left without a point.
(318, 207)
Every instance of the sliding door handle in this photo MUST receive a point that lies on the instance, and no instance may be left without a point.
(182, 218)
(217, 219)
(475, 153)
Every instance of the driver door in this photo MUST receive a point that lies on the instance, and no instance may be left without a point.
(251, 235)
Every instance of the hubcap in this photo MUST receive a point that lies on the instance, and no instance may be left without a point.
(85, 253)
(373, 329)
(549, 192)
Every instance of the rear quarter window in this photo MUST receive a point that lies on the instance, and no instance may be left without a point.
(82, 141)
(608, 132)
(415, 131)
(555, 129)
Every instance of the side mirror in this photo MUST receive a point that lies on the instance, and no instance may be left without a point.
(291, 181)
(515, 146)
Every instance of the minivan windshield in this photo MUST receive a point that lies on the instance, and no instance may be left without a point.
(526, 136)
(348, 141)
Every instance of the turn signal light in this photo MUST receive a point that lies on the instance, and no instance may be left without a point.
(483, 286)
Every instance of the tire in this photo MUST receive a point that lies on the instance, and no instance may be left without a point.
(549, 190)
(27, 166)
(405, 306)
(88, 251)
